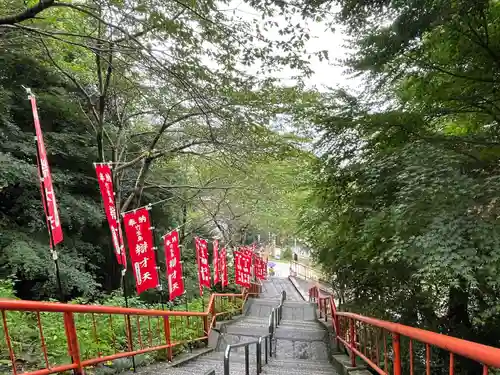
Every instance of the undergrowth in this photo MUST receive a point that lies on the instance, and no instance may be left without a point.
(98, 334)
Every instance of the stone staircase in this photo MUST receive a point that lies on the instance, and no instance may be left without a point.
(301, 342)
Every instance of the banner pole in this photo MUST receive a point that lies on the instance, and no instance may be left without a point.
(53, 250)
(157, 250)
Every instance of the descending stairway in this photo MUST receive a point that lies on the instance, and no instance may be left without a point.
(300, 347)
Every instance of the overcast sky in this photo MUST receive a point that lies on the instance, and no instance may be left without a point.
(326, 73)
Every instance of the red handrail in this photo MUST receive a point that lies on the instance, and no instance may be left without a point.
(155, 332)
(361, 336)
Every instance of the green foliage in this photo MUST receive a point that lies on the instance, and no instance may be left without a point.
(404, 213)
(262, 186)
(98, 333)
(286, 254)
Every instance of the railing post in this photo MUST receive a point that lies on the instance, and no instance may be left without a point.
(259, 356)
(396, 347)
(168, 340)
(247, 360)
(335, 321)
(352, 342)
(326, 310)
(267, 348)
(271, 333)
(227, 353)
(206, 327)
(72, 338)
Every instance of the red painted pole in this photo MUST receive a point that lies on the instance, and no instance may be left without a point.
(72, 339)
(396, 347)
(168, 340)
(352, 341)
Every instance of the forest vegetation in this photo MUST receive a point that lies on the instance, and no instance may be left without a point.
(394, 188)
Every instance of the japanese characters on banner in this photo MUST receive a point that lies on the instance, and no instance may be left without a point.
(49, 200)
(105, 181)
(216, 262)
(203, 267)
(247, 251)
(223, 267)
(174, 265)
(242, 264)
(260, 268)
(140, 244)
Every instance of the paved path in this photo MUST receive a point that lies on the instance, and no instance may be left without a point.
(301, 341)
(274, 285)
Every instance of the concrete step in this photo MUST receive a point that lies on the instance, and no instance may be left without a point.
(290, 333)
(303, 350)
(216, 361)
(247, 329)
(274, 286)
(264, 321)
(274, 302)
(318, 365)
(299, 313)
(282, 371)
(302, 324)
(231, 339)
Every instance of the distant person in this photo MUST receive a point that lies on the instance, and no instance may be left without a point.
(295, 257)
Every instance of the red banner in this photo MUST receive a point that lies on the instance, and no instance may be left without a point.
(223, 267)
(140, 246)
(48, 196)
(246, 250)
(174, 265)
(216, 262)
(105, 181)
(242, 269)
(260, 268)
(203, 267)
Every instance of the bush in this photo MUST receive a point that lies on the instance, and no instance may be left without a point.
(287, 254)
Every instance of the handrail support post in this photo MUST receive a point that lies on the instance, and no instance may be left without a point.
(396, 347)
(352, 342)
(247, 360)
(72, 339)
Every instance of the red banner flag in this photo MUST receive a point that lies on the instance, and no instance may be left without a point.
(105, 181)
(256, 267)
(174, 265)
(260, 268)
(242, 269)
(223, 267)
(48, 196)
(216, 262)
(140, 246)
(247, 251)
(203, 267)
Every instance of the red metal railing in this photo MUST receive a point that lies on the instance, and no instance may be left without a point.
(378, 343)
(97, 334)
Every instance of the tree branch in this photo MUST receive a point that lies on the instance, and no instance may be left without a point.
(228, 187)
(29, 13)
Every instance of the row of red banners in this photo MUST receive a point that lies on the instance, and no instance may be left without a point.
(138, 231)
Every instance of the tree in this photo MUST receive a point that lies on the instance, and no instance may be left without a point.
(403, 213)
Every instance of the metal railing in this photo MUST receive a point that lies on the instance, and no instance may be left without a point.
(92, 334)
(379, 343)
(274, 321)
(304, 271)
